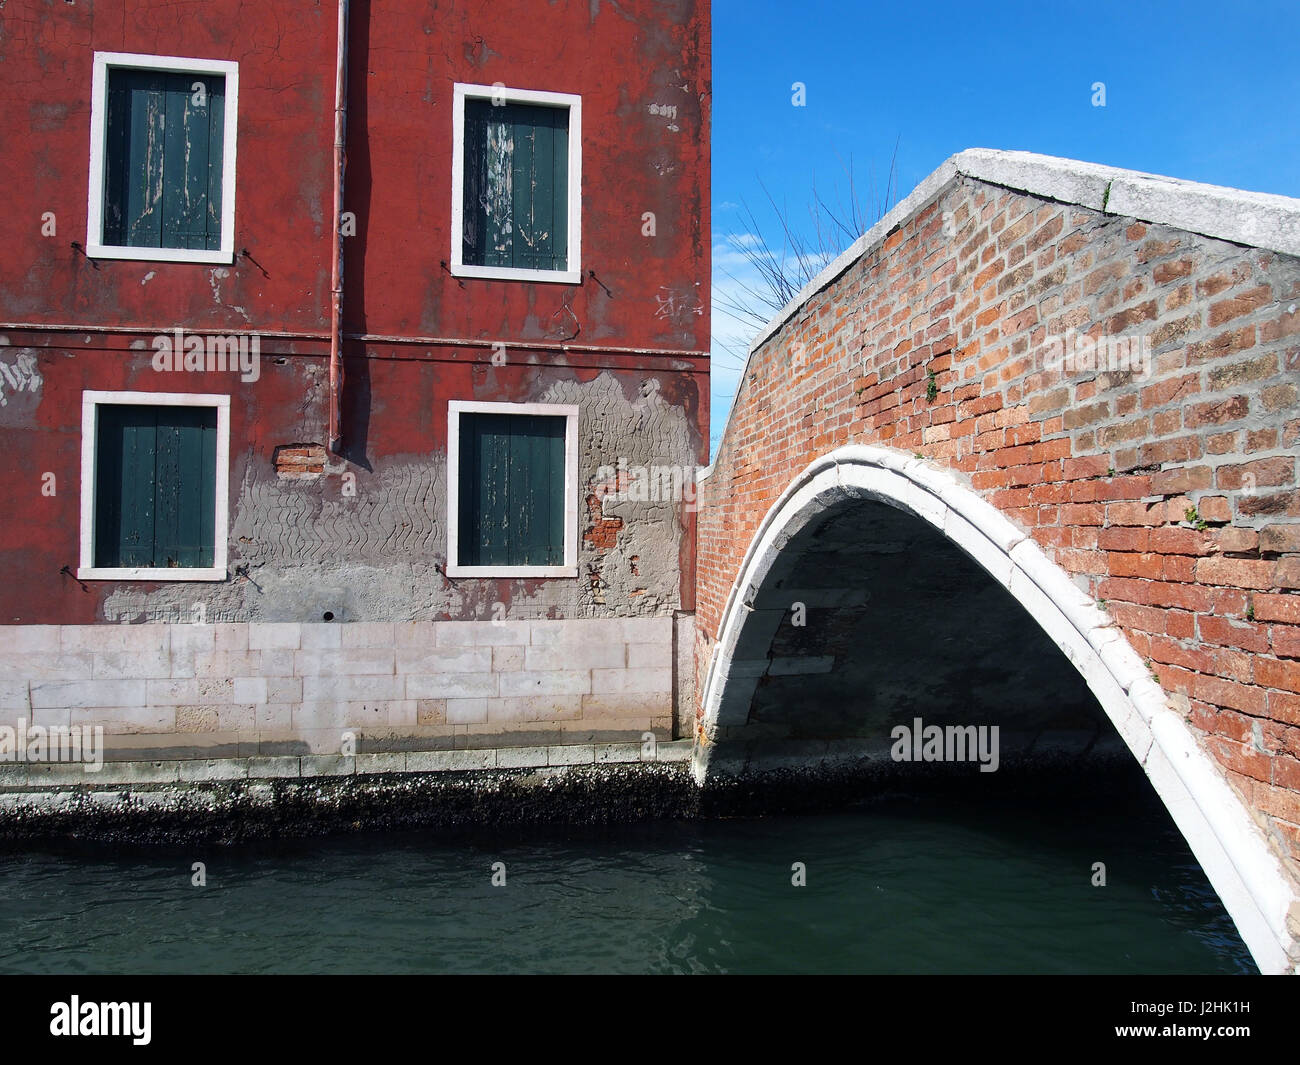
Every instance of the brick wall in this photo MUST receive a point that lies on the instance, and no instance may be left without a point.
(189, 691)
(1169, 492)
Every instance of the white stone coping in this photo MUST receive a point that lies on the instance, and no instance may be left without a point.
(1229, 845)
(22, 777)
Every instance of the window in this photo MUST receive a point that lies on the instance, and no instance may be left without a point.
(516, 184)
(154, 486)
(512, 490)
(162, 158)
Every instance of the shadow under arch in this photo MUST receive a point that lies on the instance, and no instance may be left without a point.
(1231, 849)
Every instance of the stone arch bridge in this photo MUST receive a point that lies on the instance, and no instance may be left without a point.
(1043, 415)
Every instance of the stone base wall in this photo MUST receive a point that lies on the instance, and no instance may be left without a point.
(257, 689)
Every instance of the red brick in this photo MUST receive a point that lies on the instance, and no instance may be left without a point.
(1271, 607)
(1243, 303)
(1273, 673)
(1216, 412)
(1238, 572)
(1136, 565)
(1229, 633)
(1123, 538)
(1242, 758)
(1286, 641)
(1172, 540)
(1266, 473)
(1281, 539)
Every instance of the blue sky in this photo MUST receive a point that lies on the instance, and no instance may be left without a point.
(1197, 90)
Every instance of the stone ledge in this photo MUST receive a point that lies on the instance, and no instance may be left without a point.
(42, 778)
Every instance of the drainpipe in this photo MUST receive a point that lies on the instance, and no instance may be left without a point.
(336, 266)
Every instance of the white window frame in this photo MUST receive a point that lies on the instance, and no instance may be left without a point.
(91, 401)
(569, 412)
(463, 92)
(95, 248)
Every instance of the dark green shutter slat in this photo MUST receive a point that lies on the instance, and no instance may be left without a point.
(185, 165)
(146, 123)
(116, 160)
(523, 137)
(466, 521)
(495, 524)
(560, 194)
(471, 212)
(558, 496)
(208, 491)
(216, 160)
(175, 170)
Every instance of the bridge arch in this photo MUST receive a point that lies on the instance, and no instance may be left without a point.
(1225, 840)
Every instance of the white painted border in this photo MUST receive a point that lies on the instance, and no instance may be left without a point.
(569, 412)
(1220, 831)
(95, 248)
(91, 400)
(573, 103)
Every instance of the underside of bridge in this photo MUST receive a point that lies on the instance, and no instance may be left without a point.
(873, 619)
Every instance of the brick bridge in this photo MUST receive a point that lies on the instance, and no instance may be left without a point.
(1044, 414)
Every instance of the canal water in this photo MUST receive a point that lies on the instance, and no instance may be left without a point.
(897, 886)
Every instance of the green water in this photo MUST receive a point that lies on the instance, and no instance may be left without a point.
(896, 887)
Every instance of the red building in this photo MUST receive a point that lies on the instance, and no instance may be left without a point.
(293, 506)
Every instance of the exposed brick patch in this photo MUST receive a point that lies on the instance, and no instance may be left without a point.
(299, 460)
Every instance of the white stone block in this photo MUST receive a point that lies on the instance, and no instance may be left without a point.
(30, 639)
(631, 681)
(276, 635)
(414, 634)
(232, 636)
(342, 662)
(521, 757)
(356, 688)
(577, 631)
(430, 660)
(74, 694)
(550, 682)
(367, 634)
(214, 769)
(127, 720)
(648, 630)
(450, 685)
(650, 655)
(535, 708)
(481, 633)
(575, 656)
(467, 711)
(322, 637)
(576, 754)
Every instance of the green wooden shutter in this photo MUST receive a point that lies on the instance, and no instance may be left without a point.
(512, 494)
(515, 209)
(155, 486)
(163, 153)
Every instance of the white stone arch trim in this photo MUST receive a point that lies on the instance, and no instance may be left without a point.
(1229, 845)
